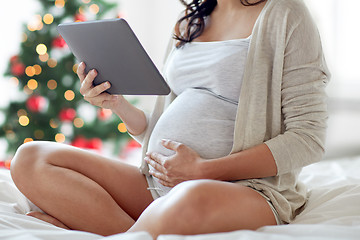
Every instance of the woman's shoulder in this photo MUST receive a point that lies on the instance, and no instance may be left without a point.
(291, 13)
(296, 8)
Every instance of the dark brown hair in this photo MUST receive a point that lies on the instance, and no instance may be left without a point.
(195, 13)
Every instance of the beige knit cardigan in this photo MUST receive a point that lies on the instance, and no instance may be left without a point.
(282, 101)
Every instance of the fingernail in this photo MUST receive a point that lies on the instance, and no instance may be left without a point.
(94, 71)
(107, 84)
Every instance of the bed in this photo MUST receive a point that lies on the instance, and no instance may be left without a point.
(332, 212)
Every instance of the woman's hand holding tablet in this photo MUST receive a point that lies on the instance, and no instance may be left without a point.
(96, 95)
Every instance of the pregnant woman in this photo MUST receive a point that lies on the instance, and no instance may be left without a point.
(222, 152)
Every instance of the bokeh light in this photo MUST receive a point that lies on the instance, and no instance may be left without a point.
(59, 3)
(21, 112)
(48, 18)
(26, 140)
(75, 67)
(60, 138)
(53, 123)
(52, 84)
(52, 63)
(39, 134)
(24, 121)
(30, 71)
(78, 122)
(32, 84)
(122, 128)
(69, 95)
(41, 49)
(94, 8)
(44, 57)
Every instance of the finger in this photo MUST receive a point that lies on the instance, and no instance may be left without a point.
(157, 157)
(97, 90)
(172, 145)
(158, 167)
(162, 177)
(100, 99)
(167, 184)
(81, 71)
(87, 84)
(110, 101)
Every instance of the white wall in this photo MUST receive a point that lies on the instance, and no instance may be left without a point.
(12, 15)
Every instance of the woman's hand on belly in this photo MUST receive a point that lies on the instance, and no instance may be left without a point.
(171, 170)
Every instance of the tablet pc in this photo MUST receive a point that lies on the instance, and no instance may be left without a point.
(111, 47)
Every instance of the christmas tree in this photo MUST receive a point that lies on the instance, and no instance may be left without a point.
(49, 106)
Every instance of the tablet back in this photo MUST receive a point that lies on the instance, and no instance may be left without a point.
(111, 47)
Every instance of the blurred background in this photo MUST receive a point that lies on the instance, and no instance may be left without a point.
(152, 21)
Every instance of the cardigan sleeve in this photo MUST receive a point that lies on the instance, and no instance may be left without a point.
(303, 97)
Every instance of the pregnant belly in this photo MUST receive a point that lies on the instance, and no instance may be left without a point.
(198, 119)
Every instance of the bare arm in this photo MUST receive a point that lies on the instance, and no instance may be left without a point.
(186, 164)
(133, 117)
(256, 162)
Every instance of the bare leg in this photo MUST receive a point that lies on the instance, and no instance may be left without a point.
(82, 190)
(48, 218)
(205, 206)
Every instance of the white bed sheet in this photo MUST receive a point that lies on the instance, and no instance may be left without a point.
(332, 212)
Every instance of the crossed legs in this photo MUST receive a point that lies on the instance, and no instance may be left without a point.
(88, 192)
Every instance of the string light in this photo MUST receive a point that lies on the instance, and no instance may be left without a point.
(60, 138)
(39, 134)
(26, 140)
(35, 23)
(52, 84)
(52, 63)
(10, 135)
(94, 8)
(24, 121)
(24, 37)
(81, 10)
(86, 1)
(21, 112)
(32, 84)
(48, 18)
(44, 57)
(30, 71)
(75, 67)
(37, 69)
(31, 28)
(69, 95)
(41, 49)
(78, 122)
(15, 81)
(122, 128)
(59, 3)
(27, 90)
(53, 123)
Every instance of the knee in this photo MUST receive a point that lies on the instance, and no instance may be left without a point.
(22, 165)
(190, 202)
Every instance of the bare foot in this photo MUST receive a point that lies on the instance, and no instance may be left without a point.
(47, 218)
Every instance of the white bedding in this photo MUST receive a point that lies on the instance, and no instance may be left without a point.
(332, 212)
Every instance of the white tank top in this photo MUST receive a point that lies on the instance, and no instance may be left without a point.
(206, 77)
